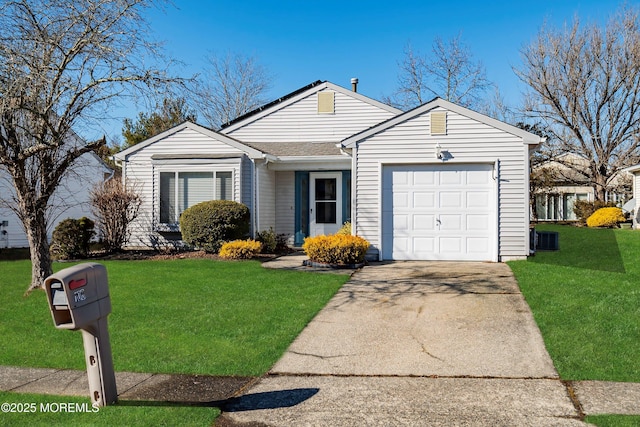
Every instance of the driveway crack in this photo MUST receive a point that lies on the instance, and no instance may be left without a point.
(320, 356)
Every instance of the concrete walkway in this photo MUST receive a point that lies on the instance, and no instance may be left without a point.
(401, 344)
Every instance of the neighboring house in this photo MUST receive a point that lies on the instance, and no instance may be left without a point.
(561, 185)
(437, 182)
(632, 205)
(72, 199)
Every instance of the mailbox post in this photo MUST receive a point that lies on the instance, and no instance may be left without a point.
(79, 299)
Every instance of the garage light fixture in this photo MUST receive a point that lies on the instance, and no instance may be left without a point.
(439, 154)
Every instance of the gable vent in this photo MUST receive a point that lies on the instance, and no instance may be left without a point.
(326, 102)
(439, 123)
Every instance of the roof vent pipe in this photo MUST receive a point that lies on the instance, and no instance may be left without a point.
(354, 84)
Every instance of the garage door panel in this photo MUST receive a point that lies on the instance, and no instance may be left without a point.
(423, 222)
(400, 178)
(423, 178)
(478, 177)
(401, 244)
(451, 199)
(423, 245)
(450, 222)
(400, 222)
(424, 199)
(478, 199)
(400, 200)
(439, 212)
(478, 222)
(477, 245)
(450, 177)
(451, 245)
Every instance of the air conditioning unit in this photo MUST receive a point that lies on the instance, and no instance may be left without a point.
(547, 241)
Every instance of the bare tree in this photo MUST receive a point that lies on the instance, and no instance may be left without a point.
(62, 64)
(115, 206)
(585, 87)
(450, 72)
(231, 86)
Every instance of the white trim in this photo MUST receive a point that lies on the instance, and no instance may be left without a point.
(251, 152)
(317, 88)
(495, 236)
(315, 163)
(527, 137)
(337, 175)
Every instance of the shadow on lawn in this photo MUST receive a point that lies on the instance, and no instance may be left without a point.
(595, 250)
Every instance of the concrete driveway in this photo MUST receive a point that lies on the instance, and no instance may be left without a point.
(424, 319)
(415, 343)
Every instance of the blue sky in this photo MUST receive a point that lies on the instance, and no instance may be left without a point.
(303, 41)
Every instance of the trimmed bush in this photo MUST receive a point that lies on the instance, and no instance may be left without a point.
(240, 249)
(606, 217)
(268, 239)
(208, 225)
(71, 238)
(336, 249)
(272, 243)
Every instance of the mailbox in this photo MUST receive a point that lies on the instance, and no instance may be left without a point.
(79, 299)
(78, 295)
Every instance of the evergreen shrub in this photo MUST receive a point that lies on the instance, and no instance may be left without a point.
(71, 238)
(208, 225)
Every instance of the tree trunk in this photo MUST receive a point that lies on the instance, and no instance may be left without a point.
(39, 246)
(599, 187)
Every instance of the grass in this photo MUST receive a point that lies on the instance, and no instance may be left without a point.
(40, 410)
(192, 316)
(614, 420)
(586, 300)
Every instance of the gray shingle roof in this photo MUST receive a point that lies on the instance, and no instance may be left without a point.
(296, 148)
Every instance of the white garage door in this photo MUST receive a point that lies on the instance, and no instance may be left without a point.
(439, 212)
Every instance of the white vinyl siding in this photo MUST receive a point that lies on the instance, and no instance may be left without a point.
(72, 199)
(144, 174)
(300, 121)
(468, 141)
(285, 204)
(266, 188)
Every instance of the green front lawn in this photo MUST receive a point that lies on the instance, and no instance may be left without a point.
(194, 316)
(586, 301)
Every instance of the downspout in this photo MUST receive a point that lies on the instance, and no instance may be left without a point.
(256, 201)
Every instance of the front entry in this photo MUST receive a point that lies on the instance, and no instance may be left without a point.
(325, 202)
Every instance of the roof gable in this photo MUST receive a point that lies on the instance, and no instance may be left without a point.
(296, 96)
(527, 137)
(251, 152)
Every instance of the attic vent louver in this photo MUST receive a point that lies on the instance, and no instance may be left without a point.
(326, 102)
(439, 123)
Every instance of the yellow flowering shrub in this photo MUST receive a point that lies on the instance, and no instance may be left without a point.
(336, 249)
(345, 229)
(240, 249)
(605, 217)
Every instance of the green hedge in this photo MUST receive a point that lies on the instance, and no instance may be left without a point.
(208, 225)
